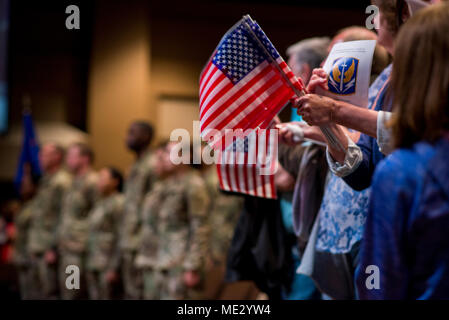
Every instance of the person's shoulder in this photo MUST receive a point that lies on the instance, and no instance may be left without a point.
(149, 160)
(403, 165)
(119, 198)
(194, 182)
(118, 202)
(380, 81)
(194, 177)
(385, 74)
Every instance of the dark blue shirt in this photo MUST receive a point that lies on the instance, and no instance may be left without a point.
(407, 228)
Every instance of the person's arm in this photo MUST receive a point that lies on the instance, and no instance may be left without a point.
(117, 217)
(345, 160)
(360, 176)
(283, 180)
(319, 110)
(360, 119)
(329, 110)
(197, 205)
(383, 248)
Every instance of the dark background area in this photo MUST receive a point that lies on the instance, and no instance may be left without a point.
(127, 56)
(50, 63)
(57, 69)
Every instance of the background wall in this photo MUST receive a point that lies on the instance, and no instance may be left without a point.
(119, 78)
(130, 59)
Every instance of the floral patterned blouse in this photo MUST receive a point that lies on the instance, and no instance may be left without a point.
(343, 210)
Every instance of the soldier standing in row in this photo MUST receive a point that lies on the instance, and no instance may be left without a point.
(175, 234)
(104, 222)
(224, 213)
(73, 230)
(138, 183)
(45, 216)
(21, 257)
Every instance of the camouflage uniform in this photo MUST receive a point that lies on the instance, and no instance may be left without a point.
(21, 256)
(102, 250)
(224, 212)
(45, 216)
(174, 236)
(74, 228)
(138, 184)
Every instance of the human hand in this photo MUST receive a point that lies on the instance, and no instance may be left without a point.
(291, 133)
(318, 79)
(316, 110)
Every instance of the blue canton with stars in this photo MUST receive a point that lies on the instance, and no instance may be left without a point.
(263, 38)
(239, 53)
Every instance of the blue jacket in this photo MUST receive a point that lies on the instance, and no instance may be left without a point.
(406, 232)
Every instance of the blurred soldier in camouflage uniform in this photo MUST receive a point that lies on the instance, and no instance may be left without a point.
(21, 257)
(138, 183)
(104, 222)
(73, 230)
(45, 216)
(175, 233)
(224, 212)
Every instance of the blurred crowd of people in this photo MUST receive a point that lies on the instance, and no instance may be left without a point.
(379, 203)
(147, 236)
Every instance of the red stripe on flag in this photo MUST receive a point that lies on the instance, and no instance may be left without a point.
(245, 173)
(253, 176)
(235, 168)
(220, 178)
(255, 114)
(273, 193)
(228, 174)
(241, 107)
(213, 86)
(203, 82)
(279, 101)
(236, 95)
(264, 195)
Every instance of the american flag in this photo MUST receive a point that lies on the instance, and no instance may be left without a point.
(248, 164)
(244, 85)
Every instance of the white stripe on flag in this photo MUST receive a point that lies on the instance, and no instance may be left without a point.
(259, 101)
(241, 165)
(233, 91)
(215, 90)
(251, 162)
(211, 81)
(210, 69)
(236, 104)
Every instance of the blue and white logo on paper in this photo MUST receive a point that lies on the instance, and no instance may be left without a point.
(343, 76)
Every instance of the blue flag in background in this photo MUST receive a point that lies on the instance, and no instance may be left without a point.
(30, 151)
